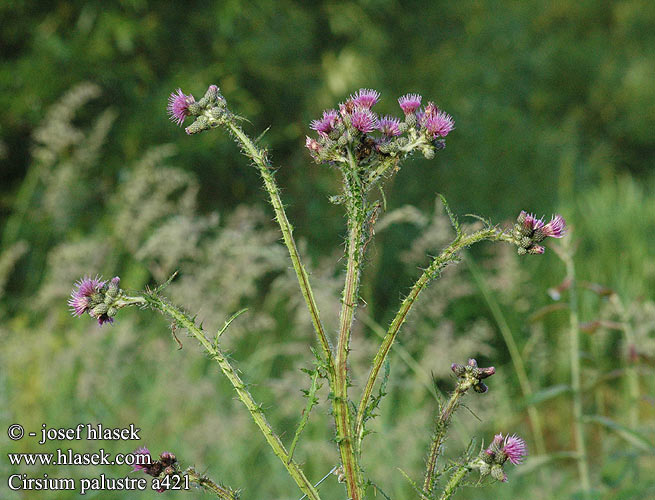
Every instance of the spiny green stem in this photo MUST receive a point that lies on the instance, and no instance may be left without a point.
(206, 483)
(341, 409)
(454, 481)
(583, 467)
(514, 353)
(446, 257)
(441, 428)
(258, 156)
(242, 392)
(311, 402)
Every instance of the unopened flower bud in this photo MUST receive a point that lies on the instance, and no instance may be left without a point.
(428, 152)
(200, 125)
(536, 250)
(459, 370)
(498, 473)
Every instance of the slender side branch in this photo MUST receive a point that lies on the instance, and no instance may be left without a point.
(449, 255)
(242, 392)
(204, 482)
(454, 481)
(258, 156)
(311, 402)
(441, 427)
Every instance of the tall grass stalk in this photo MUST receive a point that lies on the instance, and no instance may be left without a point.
(566, 253)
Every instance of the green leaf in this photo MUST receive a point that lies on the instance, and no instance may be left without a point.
(629, 435)
(546, 394)
(227, 323)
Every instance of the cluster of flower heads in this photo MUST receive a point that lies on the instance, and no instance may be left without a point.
(422, 128)
(472, 375)
(502, 449)
(530, 231)
(166, 465)
(210, 111)
(95, 297)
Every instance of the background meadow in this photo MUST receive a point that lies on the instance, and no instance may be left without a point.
(554, 105)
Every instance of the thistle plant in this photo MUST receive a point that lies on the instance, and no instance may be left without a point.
(366, 150)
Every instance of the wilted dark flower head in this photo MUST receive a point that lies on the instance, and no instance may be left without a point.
(529, 231)
(166, 465)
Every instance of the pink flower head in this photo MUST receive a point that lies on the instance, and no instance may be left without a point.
(142, 466)
(514, 448)
(409, 103)
(389, 126)
(530, 221)
(326, 124)
(85, 289)
(437, 122)
(365, 98)
(556, 228)
(178, 106)
(364, 120)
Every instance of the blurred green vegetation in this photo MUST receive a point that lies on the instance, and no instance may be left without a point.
(553, 103)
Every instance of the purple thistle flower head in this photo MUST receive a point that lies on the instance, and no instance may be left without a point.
(178, 106)
(142, 466)
(437, 122)
(515, 449)
(530, 221)
(365, 98)
(556, 228)
(409, 103)
(364, 120)
(389, 126)
(85, 289)
(326, 124)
